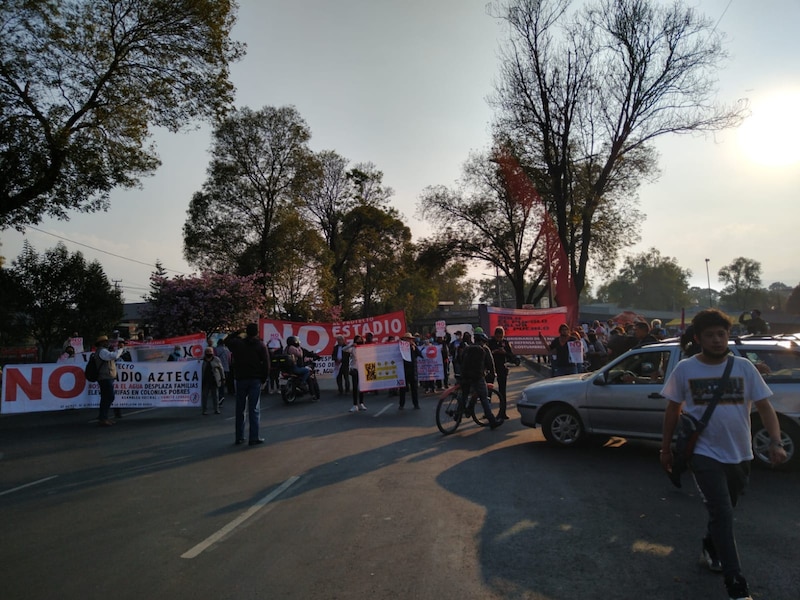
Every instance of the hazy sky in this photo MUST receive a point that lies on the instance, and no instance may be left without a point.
(404, 85)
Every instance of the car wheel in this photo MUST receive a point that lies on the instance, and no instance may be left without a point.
(790, 436)
(562, 426)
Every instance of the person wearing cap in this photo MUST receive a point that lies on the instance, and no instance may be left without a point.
(410, 373)
(213, 378)
(107, 374)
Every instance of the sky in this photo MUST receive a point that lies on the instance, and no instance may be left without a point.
(405, 85)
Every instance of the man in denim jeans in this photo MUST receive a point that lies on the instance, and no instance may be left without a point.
(721, 460)
(251, 369)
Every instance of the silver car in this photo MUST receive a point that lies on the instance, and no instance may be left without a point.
(624, 397)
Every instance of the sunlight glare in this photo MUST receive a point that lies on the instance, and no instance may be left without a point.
(771, 135)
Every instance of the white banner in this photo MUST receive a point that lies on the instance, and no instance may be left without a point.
(380, 367)
(32, 388)
(430, 366)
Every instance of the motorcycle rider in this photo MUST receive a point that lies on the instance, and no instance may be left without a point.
(297, 357)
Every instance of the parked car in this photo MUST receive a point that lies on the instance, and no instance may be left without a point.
(624, 399)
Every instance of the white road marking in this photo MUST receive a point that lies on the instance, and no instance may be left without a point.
(22, 487)
(383, 410)
(212, 539)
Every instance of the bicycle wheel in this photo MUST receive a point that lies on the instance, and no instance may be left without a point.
(477, 409)
(448, 413)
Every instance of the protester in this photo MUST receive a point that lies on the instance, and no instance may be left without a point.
(68, 356)
(476, 366)
(213, 380)
(177, 354)
(251, 369)
(341, 360)
(224, 355)
(107, 374)
(642, 334)
(561, 362)
(502, 354)
(410, 373)
(721, 460)
(358, 395)
(753, 322)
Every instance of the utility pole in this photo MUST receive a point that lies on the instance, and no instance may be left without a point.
(708, 276)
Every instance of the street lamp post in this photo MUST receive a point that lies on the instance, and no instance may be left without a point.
(708, 276)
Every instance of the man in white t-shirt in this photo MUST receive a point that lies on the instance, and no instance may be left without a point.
(721, 460)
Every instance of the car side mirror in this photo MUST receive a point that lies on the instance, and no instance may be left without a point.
(600, 379)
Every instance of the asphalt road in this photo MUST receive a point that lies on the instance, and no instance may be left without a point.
(371, 505)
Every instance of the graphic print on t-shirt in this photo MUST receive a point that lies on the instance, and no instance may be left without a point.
(703, 389)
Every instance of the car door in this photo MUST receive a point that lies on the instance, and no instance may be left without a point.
(625, 398)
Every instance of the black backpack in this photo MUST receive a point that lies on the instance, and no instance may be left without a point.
(92, 370)
(473, 361)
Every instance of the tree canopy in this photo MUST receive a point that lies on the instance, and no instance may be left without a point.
(582, 94)
(649, 281)
(209, 302)
(50, 296)
(82, 82)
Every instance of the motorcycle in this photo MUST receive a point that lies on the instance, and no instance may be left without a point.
(291, 384)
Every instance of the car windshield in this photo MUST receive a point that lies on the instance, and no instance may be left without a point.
(640, 368)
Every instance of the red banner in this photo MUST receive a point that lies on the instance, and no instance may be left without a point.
(321, 337)
(523, 326)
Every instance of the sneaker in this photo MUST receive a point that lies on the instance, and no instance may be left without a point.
(362, 407)
(710, 557)
(354, 409)
(737, 588)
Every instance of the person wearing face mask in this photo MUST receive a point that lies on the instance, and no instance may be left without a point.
(177, 354)
(213, 377)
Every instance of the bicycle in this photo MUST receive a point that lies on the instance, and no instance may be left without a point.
(452, 408)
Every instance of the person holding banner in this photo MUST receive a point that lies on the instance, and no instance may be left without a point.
(341, 360)
(410, 371)
(213, 378)
(106, 376)
(358, 396)
(562, 363)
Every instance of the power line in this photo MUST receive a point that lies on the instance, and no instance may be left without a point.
(133, 260)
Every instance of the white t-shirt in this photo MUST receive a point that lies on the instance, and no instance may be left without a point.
(727, 436)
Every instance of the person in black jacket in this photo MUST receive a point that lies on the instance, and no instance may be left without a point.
(251, 369)
(502, 353)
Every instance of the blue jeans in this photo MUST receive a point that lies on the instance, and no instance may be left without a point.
(248, 392)
(106, 397)
(478, 385)
(720, 486)
(303, 372)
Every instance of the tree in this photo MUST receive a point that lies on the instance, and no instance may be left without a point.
(793, 302)
(742, 279)
(480, 220)
(301, 279)
(57, 294)
(260, 163)
(83, 81)
(209, 302)
(703, 297)
(581, 96)
(778, 293)
(649, 281)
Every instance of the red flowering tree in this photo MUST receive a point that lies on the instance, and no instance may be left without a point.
(209, 302)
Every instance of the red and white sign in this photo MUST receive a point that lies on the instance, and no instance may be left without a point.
(33, 388)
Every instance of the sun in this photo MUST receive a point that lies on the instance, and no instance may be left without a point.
(770, 136)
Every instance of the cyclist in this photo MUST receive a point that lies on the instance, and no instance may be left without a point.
(476, 363)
